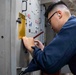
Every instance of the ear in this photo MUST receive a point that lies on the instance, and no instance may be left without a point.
(59, 14)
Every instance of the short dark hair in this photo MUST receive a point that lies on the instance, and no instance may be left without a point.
(51, 7)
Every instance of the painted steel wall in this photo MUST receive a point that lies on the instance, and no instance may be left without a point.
(35, 23)
(12, 56)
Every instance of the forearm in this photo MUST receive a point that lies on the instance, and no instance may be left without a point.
(53, 57)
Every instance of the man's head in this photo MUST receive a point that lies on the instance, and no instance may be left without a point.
(57, 14)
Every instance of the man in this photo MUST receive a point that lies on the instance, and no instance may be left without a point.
(62, 49)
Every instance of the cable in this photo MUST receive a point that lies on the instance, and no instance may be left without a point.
(21, 73)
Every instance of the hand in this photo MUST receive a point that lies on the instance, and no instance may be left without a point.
(39, 44)
(28, 42)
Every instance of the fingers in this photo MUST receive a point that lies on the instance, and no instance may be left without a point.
(27, 38)
(37, 41)
(24, 37)
(28, 43)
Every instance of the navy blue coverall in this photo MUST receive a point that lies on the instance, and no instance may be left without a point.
(61, 51)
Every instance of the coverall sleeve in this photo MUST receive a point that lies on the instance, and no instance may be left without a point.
(57, 53)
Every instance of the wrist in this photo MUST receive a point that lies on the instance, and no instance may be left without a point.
(33, 48)
(32, 51)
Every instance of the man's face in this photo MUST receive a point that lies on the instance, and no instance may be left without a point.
(53, 20)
